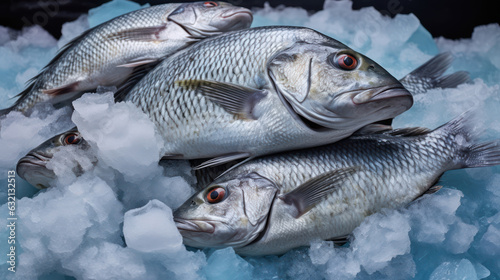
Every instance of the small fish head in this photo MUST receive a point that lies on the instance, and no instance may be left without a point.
(33, 167)
(231, 213)
(334, 87)
(204, 19)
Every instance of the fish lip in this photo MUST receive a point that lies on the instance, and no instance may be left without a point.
(364, 96)
(231, 13)
(34, 159)
(189, 225)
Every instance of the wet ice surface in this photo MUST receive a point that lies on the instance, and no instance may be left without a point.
(114, 222)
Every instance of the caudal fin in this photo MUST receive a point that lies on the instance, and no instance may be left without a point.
(470, 152)
(430, 75)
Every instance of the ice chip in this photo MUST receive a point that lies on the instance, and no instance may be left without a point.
(225, 264)
(151, 228)
(455, 270)
(460, 236)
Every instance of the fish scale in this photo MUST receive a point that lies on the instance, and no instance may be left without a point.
(238, 58)
(385, 170)
(106, 54)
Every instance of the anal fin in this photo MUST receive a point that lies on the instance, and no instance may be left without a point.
(222, 159)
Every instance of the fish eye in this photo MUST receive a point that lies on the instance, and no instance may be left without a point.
(216, 194)
(72, 139)
(346, 61)
(210, 4)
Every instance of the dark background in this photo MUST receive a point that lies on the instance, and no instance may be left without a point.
(449, 18)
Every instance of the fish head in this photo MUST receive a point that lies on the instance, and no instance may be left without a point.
(33, 167)
(204, 19)
(231, 213)
(330, 86)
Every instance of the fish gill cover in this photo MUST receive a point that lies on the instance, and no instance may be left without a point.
(78, 229)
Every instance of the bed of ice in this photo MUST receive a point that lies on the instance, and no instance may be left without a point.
(115, 221)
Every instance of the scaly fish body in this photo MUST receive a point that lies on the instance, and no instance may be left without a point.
(264, 90)
(33, 167)
(275, 203)
(107, 54)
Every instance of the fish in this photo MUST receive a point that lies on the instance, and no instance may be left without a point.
(108, 54)
(263, 90)
(275, 203)
(33, 167)
(49, 147)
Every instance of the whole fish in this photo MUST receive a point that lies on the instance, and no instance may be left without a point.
(107, 54)
(33, 168)
(263, 90)
(275, 203)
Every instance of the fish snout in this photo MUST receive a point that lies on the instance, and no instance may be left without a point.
(194, 226)
(33, 169)
(239, 18)
(383, 93)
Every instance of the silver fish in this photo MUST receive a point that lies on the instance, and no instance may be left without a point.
(107, 54)
(33, 164)
(264, 90)
(275, 203)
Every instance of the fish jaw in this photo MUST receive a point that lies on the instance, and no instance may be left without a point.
(33, 169)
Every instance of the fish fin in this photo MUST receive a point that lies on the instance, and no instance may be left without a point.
(340, 240)
(172, 156)
(134, 78)
(453, 80)
(138, 62)
(373, 128)
(62, 89)
(408, 131)
(469, 152)
(235, 99)
(307, 195)
(433, 189)
(149, 34)
(429, 75)
(222, 159)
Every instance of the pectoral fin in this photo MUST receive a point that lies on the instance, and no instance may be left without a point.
(147, 34)
(235, 99)
(307, 195)
(62, 89)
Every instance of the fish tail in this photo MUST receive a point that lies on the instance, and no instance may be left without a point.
(470, 152)
(430, 75)
(4, 112)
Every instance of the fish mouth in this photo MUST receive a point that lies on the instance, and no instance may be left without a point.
(363, 96)
(34, 159)
(194, 225)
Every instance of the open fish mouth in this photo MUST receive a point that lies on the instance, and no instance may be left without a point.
(194, 226)
(364, 96)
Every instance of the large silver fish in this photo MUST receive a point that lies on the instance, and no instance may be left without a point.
(106, 55)
(275, 203)
(264, 90)
(33, 168)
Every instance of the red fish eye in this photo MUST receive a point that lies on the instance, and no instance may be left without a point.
(72, 139)
(216, 195)
(210, 4)
(347, 61)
